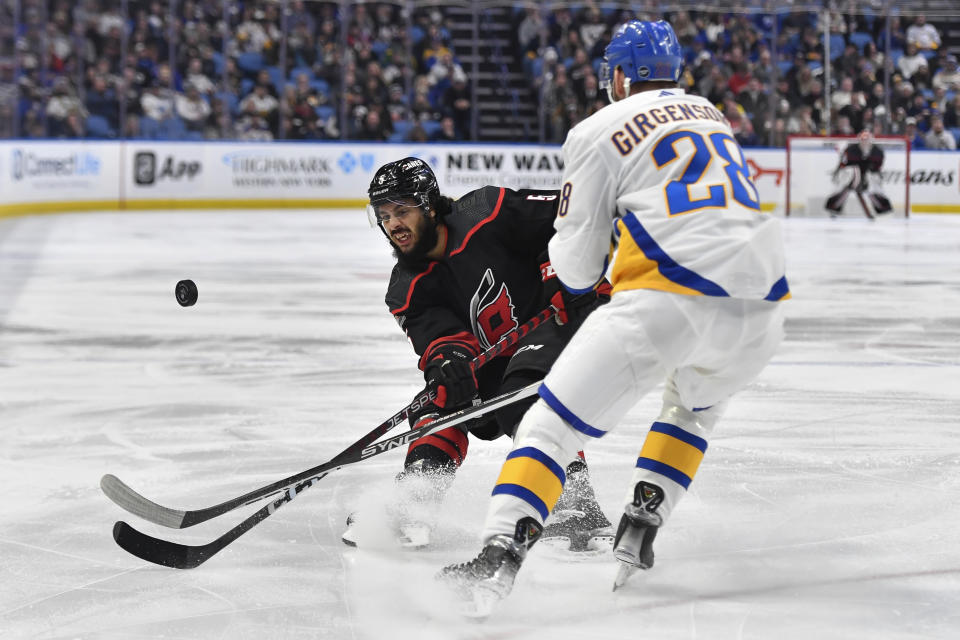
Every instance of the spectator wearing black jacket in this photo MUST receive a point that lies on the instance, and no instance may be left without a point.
(101, 101)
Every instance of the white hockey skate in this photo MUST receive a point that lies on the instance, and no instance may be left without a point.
(409, 534)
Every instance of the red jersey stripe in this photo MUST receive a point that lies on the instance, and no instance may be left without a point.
(491, 217)
(413, 285)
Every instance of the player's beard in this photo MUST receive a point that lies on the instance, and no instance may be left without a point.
(427, 237)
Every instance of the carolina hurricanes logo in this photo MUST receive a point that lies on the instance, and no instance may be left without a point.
(492, 313)
(758, 172)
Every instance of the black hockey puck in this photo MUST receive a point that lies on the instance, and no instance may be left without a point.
(186, 293)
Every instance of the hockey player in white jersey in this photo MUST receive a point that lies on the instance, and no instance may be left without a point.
(657, 192)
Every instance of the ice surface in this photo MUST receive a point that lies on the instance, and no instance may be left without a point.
(826, 507)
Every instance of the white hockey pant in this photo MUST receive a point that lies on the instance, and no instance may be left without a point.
(706, 348)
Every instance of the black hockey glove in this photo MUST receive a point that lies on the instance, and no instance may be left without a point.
(568, 306)
(452, 379)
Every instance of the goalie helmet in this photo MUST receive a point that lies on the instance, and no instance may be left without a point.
(645, 51)
(401, 181)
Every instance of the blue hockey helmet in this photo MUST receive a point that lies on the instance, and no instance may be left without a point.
(645, 51)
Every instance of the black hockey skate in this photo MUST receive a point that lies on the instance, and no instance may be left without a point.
(482, 582)
(633, 546)
(577, 518)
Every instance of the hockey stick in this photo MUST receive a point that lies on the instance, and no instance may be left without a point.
(866, 207)
(130, 500)
(181, 556)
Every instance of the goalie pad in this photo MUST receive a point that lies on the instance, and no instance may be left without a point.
(880, 202)
(848, 177)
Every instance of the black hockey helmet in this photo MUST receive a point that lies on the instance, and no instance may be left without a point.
(401, 181)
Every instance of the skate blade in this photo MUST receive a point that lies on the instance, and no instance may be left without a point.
(480, 604)
(468, 598)
(414, 536)
(623, 574)
(577, 548)
(602, 542)
(410, 537)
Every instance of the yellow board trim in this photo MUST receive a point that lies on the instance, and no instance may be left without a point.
(934, 208)
(40, 208)
(533, 475)
(672, 452)
(37, 208)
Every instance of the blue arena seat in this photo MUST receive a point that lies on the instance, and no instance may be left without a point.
(98, 127)
(296, 72)
(400, 130)
(276, 77)
(320, 86)
(792, 45)
(149, 128)
(837, 45)
(436, 92)
(230, 101)
(23, 106)
(324, 112)
(432, 127)
(250, 62)
(536, 67)
(416, 34)
(860, 39)
(218, 63)
(173, 129)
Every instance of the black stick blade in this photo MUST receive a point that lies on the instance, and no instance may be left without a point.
(162, 552)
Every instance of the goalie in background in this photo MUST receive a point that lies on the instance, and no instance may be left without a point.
(859, 172)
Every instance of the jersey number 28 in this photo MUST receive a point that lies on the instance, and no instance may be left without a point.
(701, 152)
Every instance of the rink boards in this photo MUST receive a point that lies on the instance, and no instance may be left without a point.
(55, 176)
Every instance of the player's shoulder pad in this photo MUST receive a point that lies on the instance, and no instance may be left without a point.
(403, 282)
(473, 207)
(582, 139)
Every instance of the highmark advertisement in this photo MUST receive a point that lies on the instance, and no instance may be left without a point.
(54, 176)
(229, 174)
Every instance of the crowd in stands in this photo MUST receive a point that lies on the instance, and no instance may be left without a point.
(765, 72)
(253, 73)
(249, 74)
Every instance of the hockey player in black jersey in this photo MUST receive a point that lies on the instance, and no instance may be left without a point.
(468, 272)
(859, 172)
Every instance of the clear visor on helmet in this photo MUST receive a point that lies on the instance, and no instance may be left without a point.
(606, 81)
(605, 78)
(388, 209)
